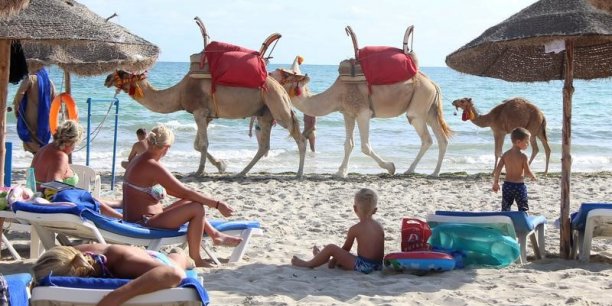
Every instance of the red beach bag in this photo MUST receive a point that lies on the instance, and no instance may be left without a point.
(415, 233)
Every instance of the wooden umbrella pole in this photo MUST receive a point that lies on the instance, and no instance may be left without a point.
(5, 62)
(67, 82)
(566, 157)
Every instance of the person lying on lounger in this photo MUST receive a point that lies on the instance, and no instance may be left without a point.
(51, 163)
(146, 183)
(150, 270)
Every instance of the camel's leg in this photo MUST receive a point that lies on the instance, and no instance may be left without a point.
(440, 137)
(201, 141)
(420, 125)
(534, 148)
(546, 150)
(363, 123)
(265, 124)
(499, 143)
(219, 163)
(349, 127)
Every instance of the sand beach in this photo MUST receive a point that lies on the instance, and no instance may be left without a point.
(297, 214)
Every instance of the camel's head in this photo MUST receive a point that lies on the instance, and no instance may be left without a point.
(125, 81)
(467, 106)
(292, 79)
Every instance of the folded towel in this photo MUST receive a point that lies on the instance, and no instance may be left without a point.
(18, 285)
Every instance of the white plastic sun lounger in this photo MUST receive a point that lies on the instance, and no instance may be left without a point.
(590, 221)
(79, 221)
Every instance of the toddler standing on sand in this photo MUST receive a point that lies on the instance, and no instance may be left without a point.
(370, 241)
(517, 165)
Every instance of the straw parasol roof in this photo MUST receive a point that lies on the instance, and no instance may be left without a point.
(548, 40)
(514, 49)
(68, 34)
(10, 7)
(75, 38)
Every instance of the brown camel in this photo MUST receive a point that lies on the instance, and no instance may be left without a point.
(194, 96)
(510, 114)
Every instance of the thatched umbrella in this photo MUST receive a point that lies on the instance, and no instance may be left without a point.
(522, 48)
(68, 34)
(9, 7)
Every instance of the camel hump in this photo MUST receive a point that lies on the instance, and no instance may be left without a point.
(408, 36)
(273, 38)
(205, 36)
(349, 32)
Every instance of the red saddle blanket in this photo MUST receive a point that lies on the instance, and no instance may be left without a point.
(232, 65)
(386, 65)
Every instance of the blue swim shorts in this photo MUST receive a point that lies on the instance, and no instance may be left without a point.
(366, 266)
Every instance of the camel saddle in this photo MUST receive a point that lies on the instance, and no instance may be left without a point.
(379, 65)
(225, 70)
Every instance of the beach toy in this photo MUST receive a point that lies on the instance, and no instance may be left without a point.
(420, 261)
(481, 244)
(415, 232)
(54, 110)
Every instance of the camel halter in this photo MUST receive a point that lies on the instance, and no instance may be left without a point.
(293, 91)
(134, 89)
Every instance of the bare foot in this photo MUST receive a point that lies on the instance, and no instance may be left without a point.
(226, 240)
(315, 250)
(298, 262)
(202, 263)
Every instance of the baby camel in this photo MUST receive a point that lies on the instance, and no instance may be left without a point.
(510, 114)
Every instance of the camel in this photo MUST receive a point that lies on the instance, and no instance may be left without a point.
(195, 95)
(510, 114)
(419, 98)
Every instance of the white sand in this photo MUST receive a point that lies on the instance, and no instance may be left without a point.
(296, 215)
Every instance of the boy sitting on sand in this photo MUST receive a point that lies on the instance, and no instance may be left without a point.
(517, 165)
(370, 241)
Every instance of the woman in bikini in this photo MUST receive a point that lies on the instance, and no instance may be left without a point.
(146, 183)
(51, 162)
(150, 270)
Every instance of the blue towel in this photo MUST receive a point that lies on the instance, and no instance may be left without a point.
(114, 283)
(43, 133)
(18, 285)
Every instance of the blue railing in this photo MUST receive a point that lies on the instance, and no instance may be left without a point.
(115, 101)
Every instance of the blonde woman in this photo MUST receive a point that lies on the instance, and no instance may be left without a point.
(146, 183)
(150, 271)
(51, 162)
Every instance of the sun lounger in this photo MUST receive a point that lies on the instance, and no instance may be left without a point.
(11, 223)
(590, 221)
(69, 291)
(88, 179)
(516, 223)
(83, 221)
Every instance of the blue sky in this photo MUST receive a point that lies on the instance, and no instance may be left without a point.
(311, 28)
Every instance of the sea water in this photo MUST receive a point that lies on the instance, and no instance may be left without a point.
(470, 150)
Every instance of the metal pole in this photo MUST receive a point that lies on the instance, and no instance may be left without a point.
(115, 142)
(88, 130)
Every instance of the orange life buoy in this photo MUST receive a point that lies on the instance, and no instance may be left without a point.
(54, 110)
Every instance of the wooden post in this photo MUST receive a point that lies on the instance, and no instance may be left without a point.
(5, 62)
(67, 82)
(566, 157)
(68, 87)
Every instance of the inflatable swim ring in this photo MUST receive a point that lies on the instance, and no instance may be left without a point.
(54, 110)
(481, 244)
(420, 261)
